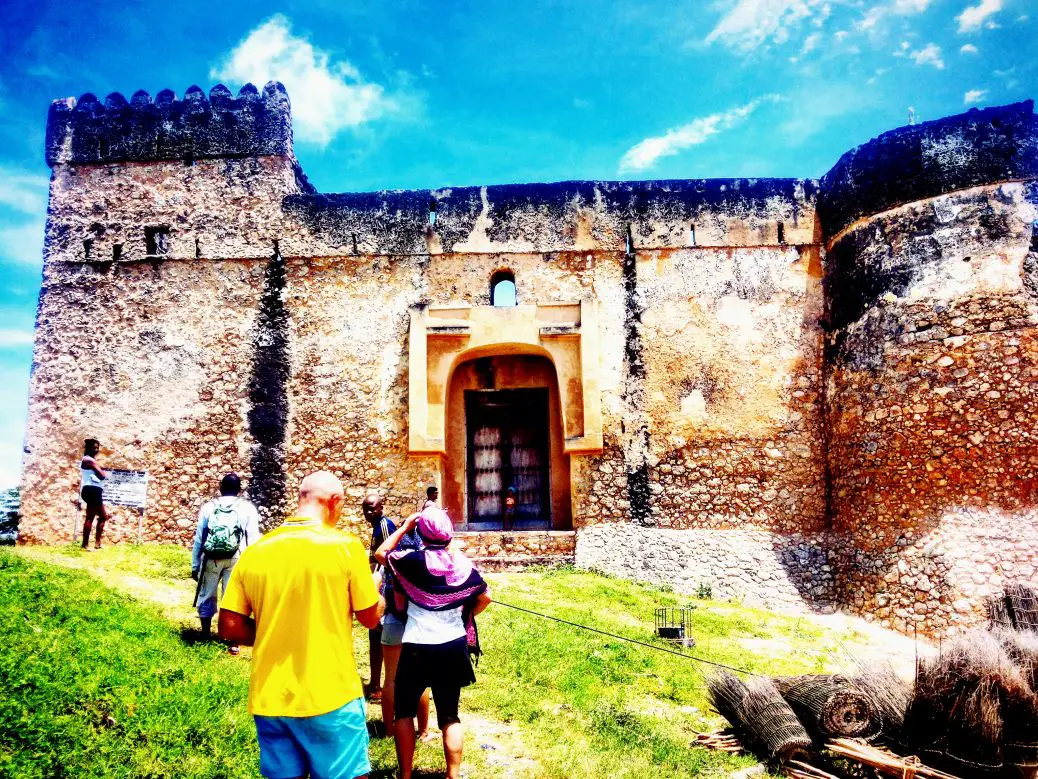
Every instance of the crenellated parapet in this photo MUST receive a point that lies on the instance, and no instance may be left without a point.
(89, 132)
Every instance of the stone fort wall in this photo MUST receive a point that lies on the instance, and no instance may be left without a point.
(766, 347)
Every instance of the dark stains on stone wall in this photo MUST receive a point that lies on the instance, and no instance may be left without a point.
(1030, 268)
(396, 221)
(268, 395)
(87, 132)
(888, 255)
(929, 159)
(636, 432)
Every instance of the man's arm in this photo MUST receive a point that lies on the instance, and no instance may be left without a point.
(236, 628)
(368, 617)
(391, 543)
(196, 548)
(482, 601)
(252, 530)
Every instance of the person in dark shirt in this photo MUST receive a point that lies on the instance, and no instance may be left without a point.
(385, 641)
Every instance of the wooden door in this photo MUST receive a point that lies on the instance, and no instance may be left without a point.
(507, 436)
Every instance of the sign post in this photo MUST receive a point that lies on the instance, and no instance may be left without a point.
(130, 489)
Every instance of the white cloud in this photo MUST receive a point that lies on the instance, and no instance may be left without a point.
(872, 17)
(910, 6)
(975, 16)
(930, 54)
(14, 338)
(645, 153)
(969, 48)
(750, 24)
(22, 243)
(974, 96)
(22, 191)
(327, 95)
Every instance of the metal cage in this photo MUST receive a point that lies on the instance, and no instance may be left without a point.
(675, 624)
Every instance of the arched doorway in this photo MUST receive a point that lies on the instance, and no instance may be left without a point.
(505, 466)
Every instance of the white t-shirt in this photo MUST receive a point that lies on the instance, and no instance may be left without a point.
(432, 627)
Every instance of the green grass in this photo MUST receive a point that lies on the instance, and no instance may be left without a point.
(99, 684)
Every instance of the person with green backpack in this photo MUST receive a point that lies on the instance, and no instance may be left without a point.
(226, 526)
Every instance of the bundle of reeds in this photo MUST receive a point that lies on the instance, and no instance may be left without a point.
(1016, 607)
(830, 705)
(889, 694)
(998, 614)
(760, 717)
(1022, 648)
(1022, 604)
(970, 708)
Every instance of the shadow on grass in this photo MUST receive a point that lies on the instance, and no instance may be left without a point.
(191, 636)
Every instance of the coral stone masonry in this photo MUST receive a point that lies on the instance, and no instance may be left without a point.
(803, 393)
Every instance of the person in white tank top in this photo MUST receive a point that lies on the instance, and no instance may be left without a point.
(91, 490)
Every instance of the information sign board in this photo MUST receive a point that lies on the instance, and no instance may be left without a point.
(126, 488)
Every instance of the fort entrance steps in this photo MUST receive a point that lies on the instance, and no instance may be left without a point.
(514, 550)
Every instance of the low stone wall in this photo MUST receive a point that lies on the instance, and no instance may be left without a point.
(789, 572)
(938, 583)
(520, 543)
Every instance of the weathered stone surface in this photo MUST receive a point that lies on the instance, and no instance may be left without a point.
(87, 132)
(790, 420)
(981, 146)
(760, 568)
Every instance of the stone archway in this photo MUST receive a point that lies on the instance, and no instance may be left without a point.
(504, 429)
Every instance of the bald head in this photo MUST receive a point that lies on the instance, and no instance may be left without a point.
(372, 507)
(321, 496)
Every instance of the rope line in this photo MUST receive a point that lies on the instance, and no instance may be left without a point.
(630, 640)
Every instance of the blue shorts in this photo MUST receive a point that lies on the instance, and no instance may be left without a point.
(327, 746)
(392, 630)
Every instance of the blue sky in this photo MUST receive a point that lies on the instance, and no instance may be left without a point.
(421, 94)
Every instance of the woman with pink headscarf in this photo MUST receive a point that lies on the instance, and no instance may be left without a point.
(443, 592)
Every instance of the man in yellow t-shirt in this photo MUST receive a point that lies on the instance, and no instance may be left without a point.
(293, 595)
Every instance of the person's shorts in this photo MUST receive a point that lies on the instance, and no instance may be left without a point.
(92, 496)
(327, 746)
(444, 668)
(392, 630)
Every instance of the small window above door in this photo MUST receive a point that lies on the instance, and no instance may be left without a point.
(502, 288)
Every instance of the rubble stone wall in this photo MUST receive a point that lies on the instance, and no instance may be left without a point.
(811, 391)
(932, 400)
(788, 571)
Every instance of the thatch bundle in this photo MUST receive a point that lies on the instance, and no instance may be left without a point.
(890, 694)
(971, 709)
(760, 717)
(1016, 607)
(830, 706)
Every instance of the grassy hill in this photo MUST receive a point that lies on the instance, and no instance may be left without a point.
(100, 677)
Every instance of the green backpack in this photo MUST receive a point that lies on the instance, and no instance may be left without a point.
(224, 534)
